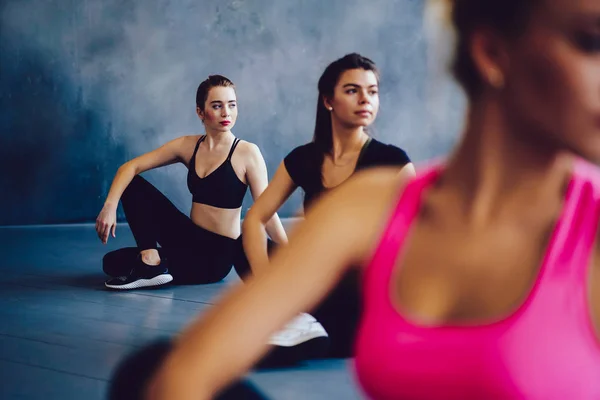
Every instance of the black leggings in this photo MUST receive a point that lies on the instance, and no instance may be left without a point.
(198, 256)
(340, 313)
(193, 255)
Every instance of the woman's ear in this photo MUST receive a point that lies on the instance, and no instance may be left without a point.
(490, 57)
(200, 113)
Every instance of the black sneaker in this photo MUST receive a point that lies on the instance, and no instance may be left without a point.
(142, 275)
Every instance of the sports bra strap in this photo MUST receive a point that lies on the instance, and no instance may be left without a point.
(235, 143)
(198, 142)
(196, 148)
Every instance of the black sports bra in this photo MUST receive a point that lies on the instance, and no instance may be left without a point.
(221, 188)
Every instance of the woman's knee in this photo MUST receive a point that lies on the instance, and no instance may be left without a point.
(240, 261)
(135, 187)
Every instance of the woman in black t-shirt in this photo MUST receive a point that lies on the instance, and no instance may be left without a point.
(348, 103)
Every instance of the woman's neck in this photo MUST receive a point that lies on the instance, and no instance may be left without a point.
(217, 138)
(346, 140)
(499, 167)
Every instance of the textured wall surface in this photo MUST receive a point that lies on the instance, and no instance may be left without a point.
(87, 85)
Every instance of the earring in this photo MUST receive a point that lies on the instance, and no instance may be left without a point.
(330, 108)
(496, 79)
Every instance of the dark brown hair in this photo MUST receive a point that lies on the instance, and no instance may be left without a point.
(209, 83)
(323, 136)
(507, 17)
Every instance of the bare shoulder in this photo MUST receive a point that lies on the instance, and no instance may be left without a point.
(183, 146)
(187, 140)
(181, 143)
(360, 207)
(248, 148)
(249, 152)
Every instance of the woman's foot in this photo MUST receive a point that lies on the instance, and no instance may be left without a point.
(142, 275)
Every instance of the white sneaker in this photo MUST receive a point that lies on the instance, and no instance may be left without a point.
(302, 320)
(301, 329)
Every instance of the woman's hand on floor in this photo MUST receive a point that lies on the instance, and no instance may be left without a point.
(106, 223)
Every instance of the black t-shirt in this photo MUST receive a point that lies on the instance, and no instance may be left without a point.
(303, 165)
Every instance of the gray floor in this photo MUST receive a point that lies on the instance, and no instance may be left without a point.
(62, 333)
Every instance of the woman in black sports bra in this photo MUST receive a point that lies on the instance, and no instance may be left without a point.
(202, 247)
(348, 103)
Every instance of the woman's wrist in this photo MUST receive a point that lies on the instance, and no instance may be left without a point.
(111, 204)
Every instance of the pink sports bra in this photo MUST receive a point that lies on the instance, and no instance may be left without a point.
(546, 350)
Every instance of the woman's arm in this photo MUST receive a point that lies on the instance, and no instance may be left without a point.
(168, 153)
(268, 223)
(260, 216)
(340, 230)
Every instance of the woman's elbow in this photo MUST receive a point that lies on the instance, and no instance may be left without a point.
(129, 167)
(250, 219)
